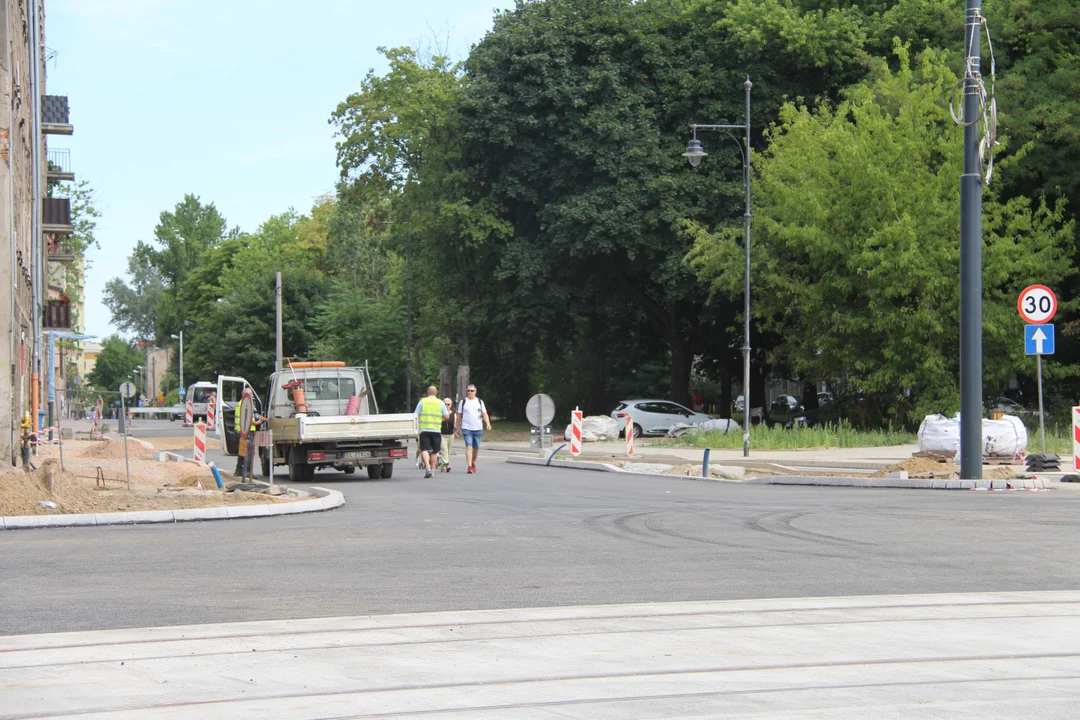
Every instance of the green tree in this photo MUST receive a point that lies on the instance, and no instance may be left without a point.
(158, 269)
(133, 304)
(857, 243)
(116, 361)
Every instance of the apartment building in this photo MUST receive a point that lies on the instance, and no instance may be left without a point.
(36, 261)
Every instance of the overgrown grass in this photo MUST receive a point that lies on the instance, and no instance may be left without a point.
(842, 435)
(1058, 440)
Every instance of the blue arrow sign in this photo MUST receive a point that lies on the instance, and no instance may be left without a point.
(1039, 339)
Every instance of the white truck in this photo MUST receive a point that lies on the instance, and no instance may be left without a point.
(321, 415)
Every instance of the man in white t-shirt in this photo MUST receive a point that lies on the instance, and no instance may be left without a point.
(472, 416)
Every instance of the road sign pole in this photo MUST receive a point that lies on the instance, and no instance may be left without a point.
(1042, 422)
(127, 464)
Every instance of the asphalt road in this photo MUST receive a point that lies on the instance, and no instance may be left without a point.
(518, 536)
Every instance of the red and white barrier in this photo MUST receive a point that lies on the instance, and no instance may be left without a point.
(211, 410)
(575, 431)
(629, 431)
(189, 413)
(1076, 439)
(200, 442)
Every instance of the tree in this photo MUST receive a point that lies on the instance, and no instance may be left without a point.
(857, 244)
(116, 361)
(133, 304)
(150, 305)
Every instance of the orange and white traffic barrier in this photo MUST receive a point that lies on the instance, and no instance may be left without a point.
(629, 431)
(200, 442)
(211, 410)
(575, 432)
(189, 413)
(1076, 439)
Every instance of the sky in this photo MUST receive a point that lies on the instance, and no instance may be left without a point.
(225, 99)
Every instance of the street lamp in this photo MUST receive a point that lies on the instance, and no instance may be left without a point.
(180, 337)
(695, 153)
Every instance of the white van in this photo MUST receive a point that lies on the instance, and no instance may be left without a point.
(199, 394)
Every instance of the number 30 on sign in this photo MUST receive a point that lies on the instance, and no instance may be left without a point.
(1037, 304)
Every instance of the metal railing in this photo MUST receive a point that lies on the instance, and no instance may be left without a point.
(59, 247)
(60, 160)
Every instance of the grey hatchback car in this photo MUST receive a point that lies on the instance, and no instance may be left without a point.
(654, 417)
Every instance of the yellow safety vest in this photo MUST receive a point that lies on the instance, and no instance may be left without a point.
(431, 410)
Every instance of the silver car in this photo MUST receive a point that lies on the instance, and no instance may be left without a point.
(654, 417)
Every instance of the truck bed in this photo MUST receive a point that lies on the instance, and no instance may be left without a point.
(398, 426)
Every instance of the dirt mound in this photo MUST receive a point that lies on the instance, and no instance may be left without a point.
(20, 493)
(111, 449)
(919, 467)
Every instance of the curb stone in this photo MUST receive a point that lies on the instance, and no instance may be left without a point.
(860, 482)
(323, 499)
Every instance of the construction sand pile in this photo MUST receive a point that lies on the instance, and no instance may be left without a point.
(72, 491)
(918, 467)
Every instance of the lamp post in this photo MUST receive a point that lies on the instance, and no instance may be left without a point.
(180, 337)
(694, 153)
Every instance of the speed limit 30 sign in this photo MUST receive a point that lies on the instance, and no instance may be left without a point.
(1037, 304)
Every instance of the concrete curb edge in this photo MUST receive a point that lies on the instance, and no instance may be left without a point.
(860, 482)
(324, 499)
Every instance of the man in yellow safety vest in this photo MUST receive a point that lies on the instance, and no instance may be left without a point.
(242, 459)
(431, 412)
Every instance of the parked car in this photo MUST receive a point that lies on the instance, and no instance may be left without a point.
(789, 412)
(655, 417)
(1009, 407)
(177, 412)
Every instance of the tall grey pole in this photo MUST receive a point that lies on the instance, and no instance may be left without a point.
(278, 351)
(746, 291)
(36, 263)
(1042, 421)
(182, 360)
(971, 374)
(408, 338)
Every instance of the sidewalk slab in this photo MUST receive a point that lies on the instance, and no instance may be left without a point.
(986, 655)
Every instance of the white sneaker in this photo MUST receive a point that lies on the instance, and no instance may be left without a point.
(428, 473)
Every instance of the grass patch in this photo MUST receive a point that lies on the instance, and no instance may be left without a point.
(762, 437)
(1058, 440)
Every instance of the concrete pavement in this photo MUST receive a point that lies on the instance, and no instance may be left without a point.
(518, 536)
(987, 655)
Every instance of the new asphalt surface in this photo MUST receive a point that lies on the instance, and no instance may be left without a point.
(517, 536)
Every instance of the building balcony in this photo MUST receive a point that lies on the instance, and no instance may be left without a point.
(59, 248)
(60, 166)
(56, 216)
(55, 118)
(56, 315)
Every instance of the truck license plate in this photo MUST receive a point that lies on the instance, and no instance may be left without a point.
(357, 454)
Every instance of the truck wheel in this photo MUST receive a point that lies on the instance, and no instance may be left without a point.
(309, 473)
(374, 472)
(264, 461)
(296, 468)
(387, 470)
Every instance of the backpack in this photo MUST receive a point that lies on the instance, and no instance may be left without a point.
(461, 406)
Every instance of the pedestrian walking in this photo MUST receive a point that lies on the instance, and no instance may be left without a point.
(431, 412)
(472, 416)
(447, 431)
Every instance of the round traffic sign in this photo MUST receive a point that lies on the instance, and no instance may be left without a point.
(1037, 304)
(247, 413)
(127, 389)
(540, 410)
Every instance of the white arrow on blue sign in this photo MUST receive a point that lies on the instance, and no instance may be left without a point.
(1039, 339)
